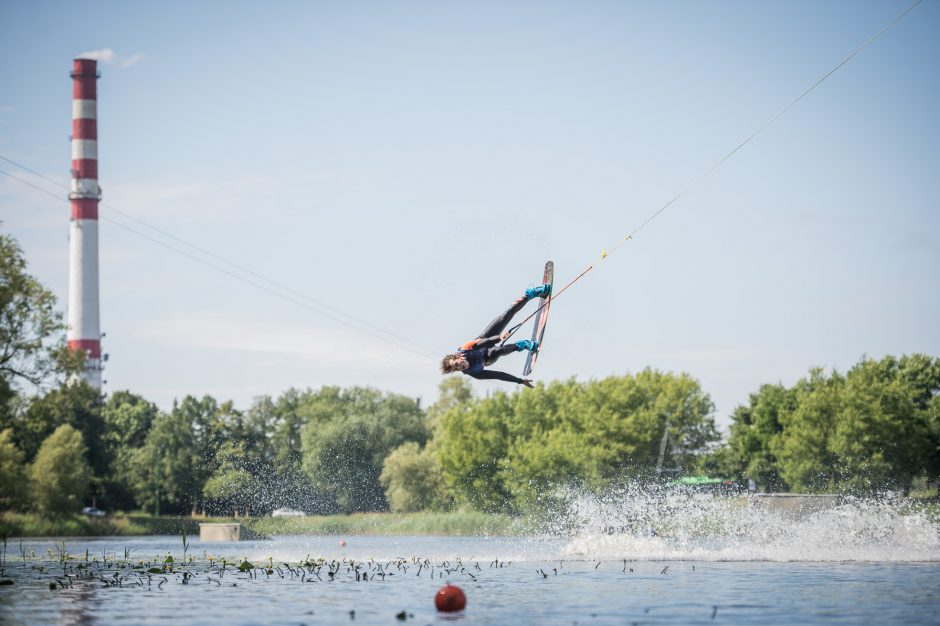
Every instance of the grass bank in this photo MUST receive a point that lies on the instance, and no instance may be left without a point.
(452, 524)
(466, 523)
(36, 525)
(457, 523)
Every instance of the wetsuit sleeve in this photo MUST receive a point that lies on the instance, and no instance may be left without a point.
(496, 375)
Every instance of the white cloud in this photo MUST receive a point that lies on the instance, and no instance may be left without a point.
(108, 57)
(339, 347)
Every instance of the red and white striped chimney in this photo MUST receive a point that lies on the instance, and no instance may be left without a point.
(84, 332)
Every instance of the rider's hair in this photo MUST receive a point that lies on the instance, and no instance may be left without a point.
(449, 363)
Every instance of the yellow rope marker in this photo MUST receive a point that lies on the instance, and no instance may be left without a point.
(603, 254)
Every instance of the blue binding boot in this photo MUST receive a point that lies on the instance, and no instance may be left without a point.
(542, 291)
(527, 344)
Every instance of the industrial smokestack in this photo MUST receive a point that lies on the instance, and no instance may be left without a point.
(84, 331)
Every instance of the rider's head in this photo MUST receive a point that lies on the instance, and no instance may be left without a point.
(454, 363)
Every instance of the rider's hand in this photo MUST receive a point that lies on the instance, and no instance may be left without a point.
(504, 336)
(528, 383)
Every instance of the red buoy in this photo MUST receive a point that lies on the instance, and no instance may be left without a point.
(342, 543)
(450, 598)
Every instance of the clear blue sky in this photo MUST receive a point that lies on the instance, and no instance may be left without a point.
(414, 163)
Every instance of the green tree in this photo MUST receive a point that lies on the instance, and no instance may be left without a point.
(597, 434)
(347, 436)
(524, 452)
(211, 425)
(28, 323)
(869, 430)
(551, 448)
(805, 459)
(78, 405)
(128, 419)
(60, 474)
(542, 471)
(342, 461)
(14, 479)
(753, 431)
(919, 373)
(287, 484)
(207, 423)
(232, 487)
(255, 430)
(922, 374)
(162, 471)
(718, 462)
(288, 424)
(32, 342)
(881, 435)
(453, 392)
(472, 442)
(411, 477)
(932, 465)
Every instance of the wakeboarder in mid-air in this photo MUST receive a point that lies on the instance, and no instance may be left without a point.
(474, 356)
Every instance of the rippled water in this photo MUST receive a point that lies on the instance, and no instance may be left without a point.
(624, 559)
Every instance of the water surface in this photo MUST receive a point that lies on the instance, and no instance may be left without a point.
(621, 561)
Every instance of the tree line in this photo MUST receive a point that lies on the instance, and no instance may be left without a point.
(340, 450)
(874, 428)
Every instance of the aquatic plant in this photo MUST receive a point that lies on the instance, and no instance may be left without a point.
(185, 543)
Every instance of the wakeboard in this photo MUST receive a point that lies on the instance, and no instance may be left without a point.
(541, 318)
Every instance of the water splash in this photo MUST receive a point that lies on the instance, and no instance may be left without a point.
(657, 524)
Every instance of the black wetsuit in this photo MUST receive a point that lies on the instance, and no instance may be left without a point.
(485, 349)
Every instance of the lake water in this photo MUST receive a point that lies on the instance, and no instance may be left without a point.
(624, 560)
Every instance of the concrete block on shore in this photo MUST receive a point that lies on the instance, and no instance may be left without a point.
(795, 504)
(219, 532)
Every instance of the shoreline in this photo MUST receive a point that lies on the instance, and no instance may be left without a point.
(30, 525)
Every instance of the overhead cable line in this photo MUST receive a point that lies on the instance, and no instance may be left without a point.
(605, 253)
(221, 259)
(370, 329)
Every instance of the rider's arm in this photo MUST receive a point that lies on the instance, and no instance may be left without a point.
(496, 375)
